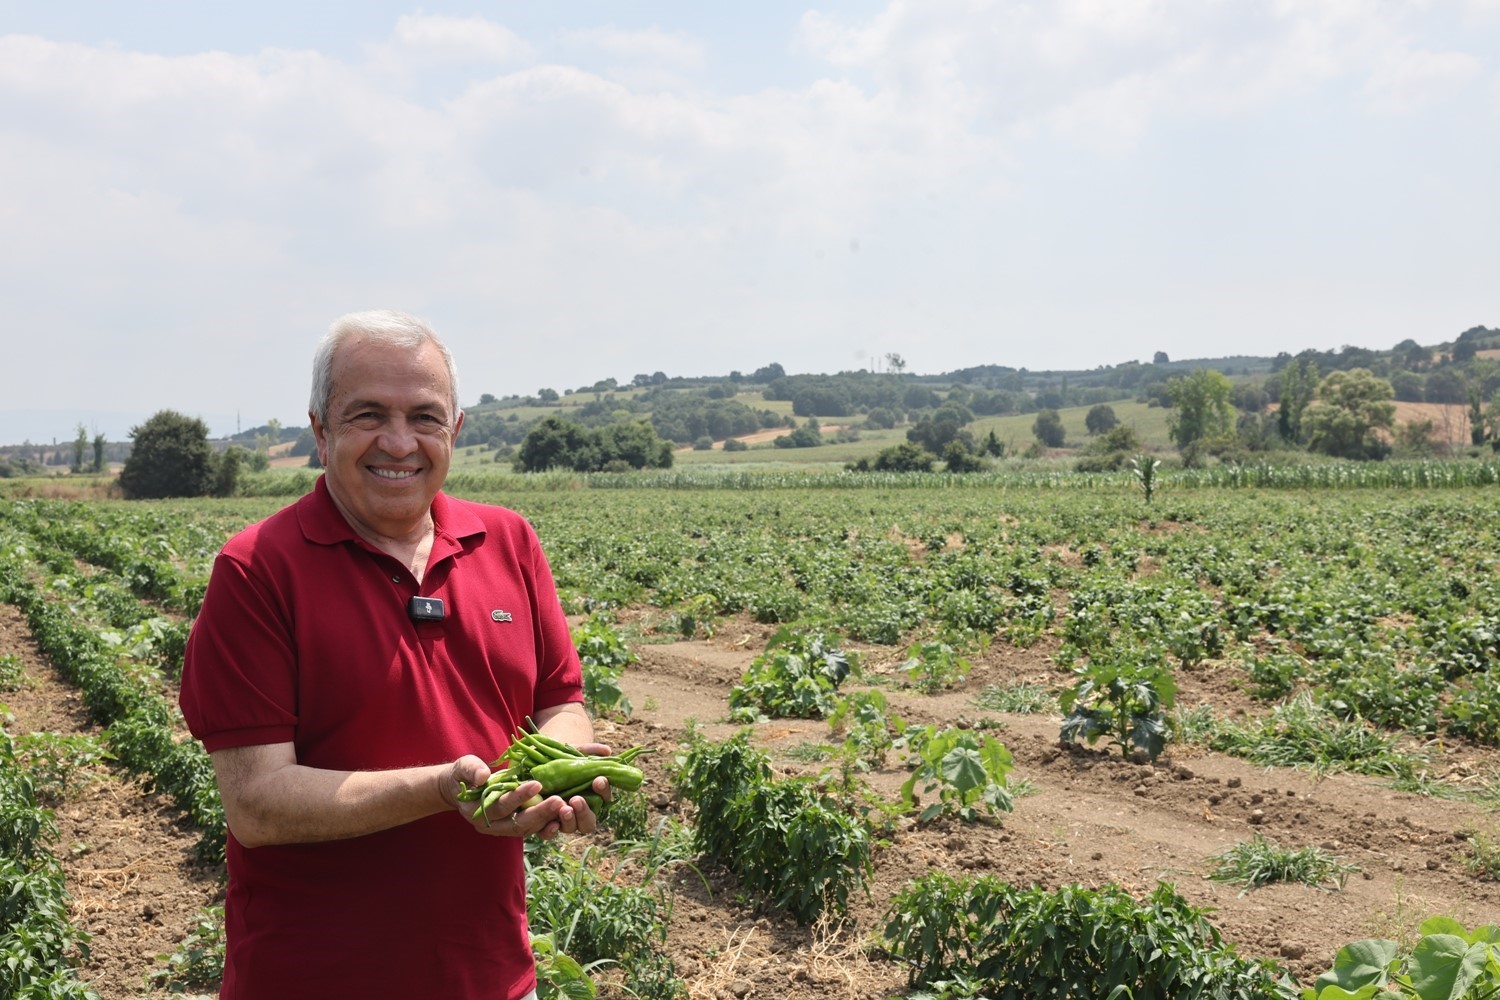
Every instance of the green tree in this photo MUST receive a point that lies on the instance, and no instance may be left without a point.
(80, 448)
(555, 443)
(1100, 419)
(959, 458)
(904, 457)
(99, 444)
(227, 470)
(1352, 417)
(1299, 381)
(1202, 407)
(945, 425)
(170, 457)
(1048, 428)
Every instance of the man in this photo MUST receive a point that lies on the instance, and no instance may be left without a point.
(358, 657)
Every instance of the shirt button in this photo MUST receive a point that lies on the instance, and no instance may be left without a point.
(395, 579)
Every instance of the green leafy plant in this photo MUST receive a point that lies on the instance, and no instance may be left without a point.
(12, 673)
(591, 922)
(784, 839)
(797, 677)
(1448, 962)
(198, 961)
(1257, 862)
(933, 666)
(966, 770)
(559, 976)
(39, 946)
(695, 620)
(1123, 693)
(604, 657)
(1483, 857)
(864, 719)
(61, 763)
(1005, 943)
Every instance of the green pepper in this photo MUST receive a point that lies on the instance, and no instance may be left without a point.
(561, 775)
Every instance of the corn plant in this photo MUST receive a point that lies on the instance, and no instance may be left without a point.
(1145, 469)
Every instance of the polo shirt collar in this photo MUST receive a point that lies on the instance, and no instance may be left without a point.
(322, 523)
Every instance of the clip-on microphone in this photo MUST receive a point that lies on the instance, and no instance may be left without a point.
(425, 609)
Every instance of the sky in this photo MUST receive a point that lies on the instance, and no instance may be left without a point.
(191, 193)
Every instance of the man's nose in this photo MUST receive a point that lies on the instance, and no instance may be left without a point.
(399, 438)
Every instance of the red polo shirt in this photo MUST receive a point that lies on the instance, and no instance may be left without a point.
(304, 637)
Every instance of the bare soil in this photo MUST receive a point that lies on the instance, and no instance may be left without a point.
(1091, 818)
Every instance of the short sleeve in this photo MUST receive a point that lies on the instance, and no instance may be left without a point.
(239, 668)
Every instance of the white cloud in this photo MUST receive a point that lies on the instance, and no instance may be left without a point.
(441, 38)
(1413, 79)
(606, 213)
(652, 45)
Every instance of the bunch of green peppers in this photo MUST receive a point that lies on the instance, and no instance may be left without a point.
(562, 768)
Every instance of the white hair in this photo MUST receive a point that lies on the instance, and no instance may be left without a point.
(385, 326)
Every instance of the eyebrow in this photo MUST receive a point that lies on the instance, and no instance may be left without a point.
(357, 405)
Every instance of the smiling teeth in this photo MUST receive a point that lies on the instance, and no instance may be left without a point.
(393, 473)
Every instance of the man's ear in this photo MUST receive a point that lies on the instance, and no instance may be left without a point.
(320, 438)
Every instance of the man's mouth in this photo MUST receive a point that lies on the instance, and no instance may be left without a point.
(393, 473)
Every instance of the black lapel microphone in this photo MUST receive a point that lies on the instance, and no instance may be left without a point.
(425, 609)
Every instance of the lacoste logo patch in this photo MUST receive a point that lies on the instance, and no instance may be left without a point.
(500, 616)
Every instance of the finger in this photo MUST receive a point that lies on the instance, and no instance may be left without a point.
(596, 749)
(584, 820)
(494, 807)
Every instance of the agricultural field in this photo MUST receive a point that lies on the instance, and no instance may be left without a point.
(1256, 718)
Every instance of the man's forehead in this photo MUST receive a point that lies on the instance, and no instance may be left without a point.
(377, 369)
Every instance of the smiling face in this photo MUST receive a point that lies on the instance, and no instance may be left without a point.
(388, 439)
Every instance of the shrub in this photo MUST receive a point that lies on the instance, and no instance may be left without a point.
(796, 677)
(1075, 942)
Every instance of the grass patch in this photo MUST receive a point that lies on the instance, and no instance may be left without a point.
(1193, 725)
(1303, 734)
(810, 753)
(1020, 698)
(1258, 862)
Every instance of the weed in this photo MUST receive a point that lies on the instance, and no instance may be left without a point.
(1259, 862)
(198, 962)
(1483, 860)
(1019, 698)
